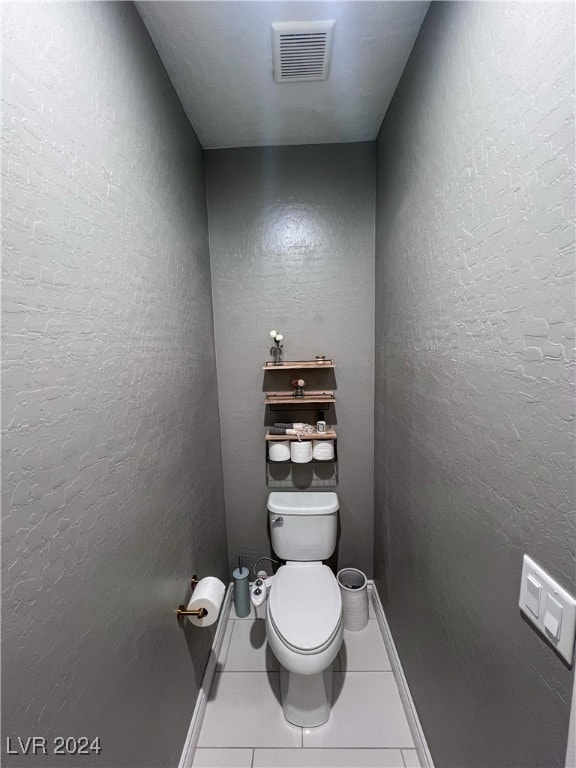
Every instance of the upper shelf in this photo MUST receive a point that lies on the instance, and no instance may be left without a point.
(293, 365)
(285, 398)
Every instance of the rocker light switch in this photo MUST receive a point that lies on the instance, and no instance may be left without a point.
(533, 592)
(553, 618)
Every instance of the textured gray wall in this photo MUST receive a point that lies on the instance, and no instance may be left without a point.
(474, 343)
(571, 747)
(112, 491)
(292, 248)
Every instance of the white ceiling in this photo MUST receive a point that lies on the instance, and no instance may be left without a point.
(219, 58)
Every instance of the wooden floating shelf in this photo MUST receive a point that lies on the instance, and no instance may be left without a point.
(287, 398)
(292, 365)
(330, 434)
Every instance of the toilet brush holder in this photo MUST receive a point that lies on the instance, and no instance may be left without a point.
(241, 590)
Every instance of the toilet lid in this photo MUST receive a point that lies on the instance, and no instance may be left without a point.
(305, 604)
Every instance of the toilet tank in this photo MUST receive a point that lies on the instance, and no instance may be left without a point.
(303, 525)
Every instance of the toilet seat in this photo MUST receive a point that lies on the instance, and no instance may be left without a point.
(305, 607)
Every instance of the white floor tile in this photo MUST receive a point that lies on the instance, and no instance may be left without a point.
(327, 758)
(225, 645)
(223, 758)
(410, 758)
(244, 710)
(364, 651)
(367, 712)
(249, 650)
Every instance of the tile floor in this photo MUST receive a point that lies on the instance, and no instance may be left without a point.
(244, 726)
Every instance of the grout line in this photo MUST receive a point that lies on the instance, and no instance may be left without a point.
(253, 755)
(364, 671)
(252, 671)
(322, 747)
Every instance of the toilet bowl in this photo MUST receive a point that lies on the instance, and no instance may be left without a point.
(304, 617)
(304, 622)
(305, 630)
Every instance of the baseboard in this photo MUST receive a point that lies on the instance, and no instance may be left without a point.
(411, 714)
(187, 756)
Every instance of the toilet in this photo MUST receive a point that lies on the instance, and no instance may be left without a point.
(304, 607)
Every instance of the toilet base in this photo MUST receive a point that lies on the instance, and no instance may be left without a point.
(306, 699)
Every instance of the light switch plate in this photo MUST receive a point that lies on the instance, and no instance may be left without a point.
(556, 608)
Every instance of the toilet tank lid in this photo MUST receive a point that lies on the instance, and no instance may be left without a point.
(303, 503)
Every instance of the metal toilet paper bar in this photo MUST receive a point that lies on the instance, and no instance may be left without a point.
(182, 611)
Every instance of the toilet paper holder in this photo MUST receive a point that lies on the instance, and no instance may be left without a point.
(182, 611)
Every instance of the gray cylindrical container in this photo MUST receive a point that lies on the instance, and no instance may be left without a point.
(241, 590)
(354, 591)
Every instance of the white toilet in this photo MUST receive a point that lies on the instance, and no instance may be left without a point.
(304, 608)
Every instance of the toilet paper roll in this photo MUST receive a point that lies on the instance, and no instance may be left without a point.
(301, 451)
(323, 450)
(279, 451)
(208, 594)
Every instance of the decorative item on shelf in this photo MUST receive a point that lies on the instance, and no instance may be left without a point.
(320, 359)
(277, 350)
(298, 429)
(298, 384)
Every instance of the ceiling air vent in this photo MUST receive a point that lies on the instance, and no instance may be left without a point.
(302, 50)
